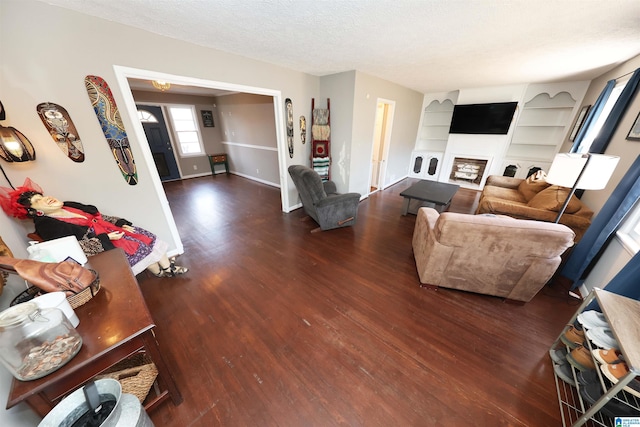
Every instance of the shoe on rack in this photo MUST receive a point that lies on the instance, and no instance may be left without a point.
(580, 358)
(592, 319)
(573, 337)
(559, 355)
(564, 373)
(614, 371)
(613, 408)
(618, 370)
(587, 377)
(602, 337)
(609, 356)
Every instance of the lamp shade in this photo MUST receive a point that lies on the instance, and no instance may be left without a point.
(582, 171)
(14, 146)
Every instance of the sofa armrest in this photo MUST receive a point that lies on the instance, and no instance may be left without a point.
(431, 257)
(503, 181)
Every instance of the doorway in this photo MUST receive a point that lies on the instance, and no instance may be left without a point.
(380, 148)
(155, 128)
(123, 73)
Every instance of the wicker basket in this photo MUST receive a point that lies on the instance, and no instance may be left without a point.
(75, 300)
(85, 295)
(136, 374)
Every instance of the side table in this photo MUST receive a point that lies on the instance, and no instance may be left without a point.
(114, 324)
(218, 159)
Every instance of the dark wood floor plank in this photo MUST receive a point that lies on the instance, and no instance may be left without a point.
(277, 326)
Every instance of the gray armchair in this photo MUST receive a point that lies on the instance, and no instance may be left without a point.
(320, 200)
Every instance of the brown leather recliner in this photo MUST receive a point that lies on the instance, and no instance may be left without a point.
(488, 254)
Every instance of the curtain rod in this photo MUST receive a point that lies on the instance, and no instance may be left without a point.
(624, 75)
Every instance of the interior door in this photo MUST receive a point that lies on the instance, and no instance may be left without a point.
(160, 144)
(381, 140)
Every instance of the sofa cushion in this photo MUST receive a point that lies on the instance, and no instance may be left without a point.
(552, 198)
(503, 193)
(534, 184)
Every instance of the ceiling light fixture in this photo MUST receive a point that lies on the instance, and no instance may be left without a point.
(161, 85)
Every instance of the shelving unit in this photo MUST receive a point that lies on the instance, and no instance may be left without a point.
(541, 128)
(623, 316)
(434, 131)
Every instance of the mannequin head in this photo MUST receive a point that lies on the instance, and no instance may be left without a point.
(42, 205)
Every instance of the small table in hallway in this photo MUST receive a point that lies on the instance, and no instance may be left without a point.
(437, 193)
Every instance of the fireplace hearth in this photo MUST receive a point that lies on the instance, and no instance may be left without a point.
(467, 170)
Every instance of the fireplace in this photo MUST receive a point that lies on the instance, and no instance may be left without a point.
(467, 170)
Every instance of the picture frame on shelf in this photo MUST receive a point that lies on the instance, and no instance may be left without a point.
(634, 132)
(582, 115)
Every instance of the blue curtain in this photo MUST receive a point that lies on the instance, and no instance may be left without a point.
(610, 125)
(624, 283)
(604, 225)
(593, 114)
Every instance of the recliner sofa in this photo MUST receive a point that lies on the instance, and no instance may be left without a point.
(321, 201)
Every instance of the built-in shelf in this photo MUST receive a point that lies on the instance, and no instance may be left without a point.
(434, 131)
(541, 128)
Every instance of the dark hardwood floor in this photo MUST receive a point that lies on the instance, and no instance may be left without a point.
(277, 326)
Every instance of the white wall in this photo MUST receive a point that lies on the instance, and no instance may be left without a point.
(616, 255)
(619, 145)
(51, 51)
(249, 135)
(55, 72)
(338, 88)
(403, 134)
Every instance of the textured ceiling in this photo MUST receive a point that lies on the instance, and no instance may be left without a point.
(426, 45)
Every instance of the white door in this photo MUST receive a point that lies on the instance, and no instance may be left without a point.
(380, 145)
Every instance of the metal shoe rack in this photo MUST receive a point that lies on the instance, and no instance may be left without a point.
(623, 316)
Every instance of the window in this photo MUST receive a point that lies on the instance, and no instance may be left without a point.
(586, 142)
(629, 232)
(146, 117)
(185, 128)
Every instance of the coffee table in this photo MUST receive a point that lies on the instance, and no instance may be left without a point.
(437, 193)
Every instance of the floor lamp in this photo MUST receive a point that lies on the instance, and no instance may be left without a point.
(580, 172)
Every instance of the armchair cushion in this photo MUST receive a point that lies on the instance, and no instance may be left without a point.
(493, 255)
(321, 201)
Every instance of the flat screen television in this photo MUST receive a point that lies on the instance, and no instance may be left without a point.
(491, 119)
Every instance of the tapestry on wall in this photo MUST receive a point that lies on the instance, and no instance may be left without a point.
(57, 121)
(108, 115)
(289, 110)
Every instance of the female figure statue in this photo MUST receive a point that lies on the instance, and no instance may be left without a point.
(95, 231)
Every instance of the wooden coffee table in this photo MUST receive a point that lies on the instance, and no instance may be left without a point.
(437, 193)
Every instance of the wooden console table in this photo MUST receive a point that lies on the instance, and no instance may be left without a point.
(114, 324)
(218, 159)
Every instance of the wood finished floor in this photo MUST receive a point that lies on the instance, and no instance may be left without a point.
(276, 326)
